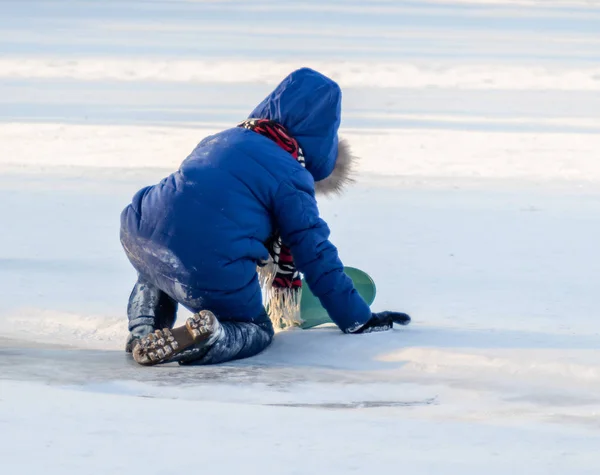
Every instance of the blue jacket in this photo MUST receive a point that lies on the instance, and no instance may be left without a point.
(200, 232)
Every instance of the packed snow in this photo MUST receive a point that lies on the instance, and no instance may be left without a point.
(347, 73)
(475, 210)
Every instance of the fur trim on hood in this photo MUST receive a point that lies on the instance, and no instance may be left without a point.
(342, 174)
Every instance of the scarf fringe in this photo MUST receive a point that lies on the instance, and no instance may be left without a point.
(283, 305)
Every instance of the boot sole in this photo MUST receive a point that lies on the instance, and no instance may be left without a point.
(162, 345)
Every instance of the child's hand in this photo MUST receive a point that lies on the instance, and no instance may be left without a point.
(383, 321)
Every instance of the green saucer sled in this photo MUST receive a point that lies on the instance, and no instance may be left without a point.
(313, 313)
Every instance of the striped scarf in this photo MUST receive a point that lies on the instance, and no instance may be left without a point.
(279, 277)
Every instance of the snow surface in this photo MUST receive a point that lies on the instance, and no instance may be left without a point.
(347, 73)
(477, 208)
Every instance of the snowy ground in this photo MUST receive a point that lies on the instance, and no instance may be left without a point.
(478, 124)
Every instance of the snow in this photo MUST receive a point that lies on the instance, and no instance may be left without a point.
(409, 153)
(261, 439)
(476, 204)
(347, 73)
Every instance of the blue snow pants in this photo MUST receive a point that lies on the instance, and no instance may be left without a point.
(148, 305)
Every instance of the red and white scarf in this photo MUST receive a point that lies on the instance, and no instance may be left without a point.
(279, 276)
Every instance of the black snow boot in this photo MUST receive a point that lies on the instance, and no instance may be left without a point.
(161, 345)
(136, 334)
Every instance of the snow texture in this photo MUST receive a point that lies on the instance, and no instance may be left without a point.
(347, 73)
(477, 124)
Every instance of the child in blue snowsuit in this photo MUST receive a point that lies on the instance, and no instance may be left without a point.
(240, 218)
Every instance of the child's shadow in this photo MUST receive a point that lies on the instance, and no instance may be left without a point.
(329, 348)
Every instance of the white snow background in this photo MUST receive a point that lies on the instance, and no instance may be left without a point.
(476, 211)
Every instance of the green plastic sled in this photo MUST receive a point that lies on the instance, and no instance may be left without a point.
(313, 313)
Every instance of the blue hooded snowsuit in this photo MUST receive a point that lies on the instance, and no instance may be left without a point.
(198, 235)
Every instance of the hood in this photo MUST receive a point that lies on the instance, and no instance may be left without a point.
(308, 104)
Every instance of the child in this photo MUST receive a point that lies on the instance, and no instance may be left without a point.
(244, 197)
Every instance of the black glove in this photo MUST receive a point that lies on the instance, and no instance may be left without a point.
(383, 321)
